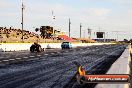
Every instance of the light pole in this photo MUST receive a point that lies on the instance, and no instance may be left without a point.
(69, 27)
(117, 33)
(53, 23)
(22, 20)
(89, 33)
(83, 33)
(80, 30)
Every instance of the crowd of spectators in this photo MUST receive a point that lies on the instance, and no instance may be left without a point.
(15, 35)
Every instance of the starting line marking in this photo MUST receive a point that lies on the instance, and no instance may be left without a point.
(25, 57)
(31, 56)
(39, 55)
(18, 58)
(11, 59)
(5, 60)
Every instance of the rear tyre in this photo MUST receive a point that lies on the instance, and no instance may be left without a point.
(39, 49)
(32, 48)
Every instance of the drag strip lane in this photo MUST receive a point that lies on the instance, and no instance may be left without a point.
(56, 70)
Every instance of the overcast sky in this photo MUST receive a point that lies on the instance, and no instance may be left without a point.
(109, 15)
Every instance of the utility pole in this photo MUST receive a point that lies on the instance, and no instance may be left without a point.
(53, 23)
(84, 33)
(80, 30)
(117, 33)
(89, 33)
(69, 27)
(22, 20)
(104, 37)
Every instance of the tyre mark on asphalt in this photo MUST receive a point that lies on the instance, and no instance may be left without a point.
(50, 76)
(21, 74)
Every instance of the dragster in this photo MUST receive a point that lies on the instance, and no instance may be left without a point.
(83, 78)
(36, 47)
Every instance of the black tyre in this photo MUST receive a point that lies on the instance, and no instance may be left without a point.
(38, 48)
(32, 48)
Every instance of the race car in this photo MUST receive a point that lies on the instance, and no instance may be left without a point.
(36, 48)
(66, 45)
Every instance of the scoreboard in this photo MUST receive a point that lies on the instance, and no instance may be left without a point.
(100, 34)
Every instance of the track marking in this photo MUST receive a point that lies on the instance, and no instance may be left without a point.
(58, 52)
(31, 56)
(1, 57)
(67, 51)
(52, 53)
(25, 57)
(11, 59)
(39, 55)
(5, 60)
(36, 58)
(18, 58)
(46, 54)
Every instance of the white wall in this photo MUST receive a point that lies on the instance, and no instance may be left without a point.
(26, 46)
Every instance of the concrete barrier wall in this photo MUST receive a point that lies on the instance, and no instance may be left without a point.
(26, 46)
(121, 66)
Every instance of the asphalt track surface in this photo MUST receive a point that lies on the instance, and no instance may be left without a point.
(55, 69)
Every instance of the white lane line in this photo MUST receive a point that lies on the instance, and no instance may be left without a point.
(67, 51)
(25, 57)
(31, 56)
(52, 53)
(11, 59)
(36, 58)
(38, 55)
(18, 58)
(46, 54)
(1, 57)
(5, 60)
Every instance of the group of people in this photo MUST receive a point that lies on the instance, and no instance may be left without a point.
(12, 33)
